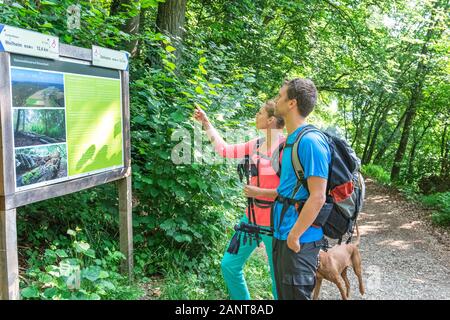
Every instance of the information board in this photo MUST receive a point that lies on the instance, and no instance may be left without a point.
(67, 120)
(64, 127)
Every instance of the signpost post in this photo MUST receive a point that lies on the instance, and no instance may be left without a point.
(64, 127)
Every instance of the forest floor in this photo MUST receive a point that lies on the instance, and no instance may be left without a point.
(404, 256)
(26, 140)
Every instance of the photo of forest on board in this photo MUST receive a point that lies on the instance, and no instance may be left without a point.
(40, 164)
(36, 127)
(32, 88)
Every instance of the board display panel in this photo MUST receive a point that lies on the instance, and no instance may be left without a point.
(66, 120)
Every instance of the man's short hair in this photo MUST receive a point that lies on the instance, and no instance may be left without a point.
(305, 92)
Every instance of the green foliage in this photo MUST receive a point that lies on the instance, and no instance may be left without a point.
(180, 210)
(181, 206)
(440, 202)
(205, 283)
(193, 286)
(442, 218)
(257, 273)
(50, 18)
(376, 172)
(31, 175)
(409, 191)
(93, 211)
(75, 273)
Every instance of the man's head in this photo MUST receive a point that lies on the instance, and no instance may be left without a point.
(296, 95)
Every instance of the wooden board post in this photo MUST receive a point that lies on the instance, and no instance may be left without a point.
(124, 185)
(10, 198)
(9, 264)
(126, 227)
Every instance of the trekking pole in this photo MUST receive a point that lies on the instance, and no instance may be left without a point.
(249, 209)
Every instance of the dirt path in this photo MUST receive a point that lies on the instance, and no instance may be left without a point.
(404, 257)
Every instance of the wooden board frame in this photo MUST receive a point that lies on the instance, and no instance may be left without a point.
(10, 199)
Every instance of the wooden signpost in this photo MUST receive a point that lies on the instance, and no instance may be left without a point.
(15, 192)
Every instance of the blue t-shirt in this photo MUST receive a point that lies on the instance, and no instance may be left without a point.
(315, 157)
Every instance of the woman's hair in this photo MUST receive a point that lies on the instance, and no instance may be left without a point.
(270, 108)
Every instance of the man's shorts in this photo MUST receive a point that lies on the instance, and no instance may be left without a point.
(295, 273)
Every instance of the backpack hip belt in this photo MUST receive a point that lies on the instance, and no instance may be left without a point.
(298, 204)
(263, 204)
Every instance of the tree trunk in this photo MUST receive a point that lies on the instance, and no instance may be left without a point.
(18, 120)
(373, 141)
(171, 17)
(358, 120)
(412, 153)
(23, 120)
(345, 118)
(389, 140)
(445, 153)
(369, 134)
(412, 157)
(114, 8)
(142, 25)
(170, 21)
(132, 28)
(375, 120)
(416, 96)
(411, 114)
(131, 25)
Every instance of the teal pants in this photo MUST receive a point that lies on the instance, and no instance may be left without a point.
(233, 267)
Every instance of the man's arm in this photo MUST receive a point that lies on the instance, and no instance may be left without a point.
(317, 188)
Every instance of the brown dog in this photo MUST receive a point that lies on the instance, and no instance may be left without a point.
(334, 263)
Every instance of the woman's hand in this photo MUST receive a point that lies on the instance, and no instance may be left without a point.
(200, 116)
(251, 191)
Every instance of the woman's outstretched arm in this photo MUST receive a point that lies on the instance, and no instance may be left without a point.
(222, 148)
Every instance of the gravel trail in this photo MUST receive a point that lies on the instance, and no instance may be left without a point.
(403, 255)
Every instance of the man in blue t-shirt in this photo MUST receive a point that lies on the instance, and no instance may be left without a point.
(297, 241)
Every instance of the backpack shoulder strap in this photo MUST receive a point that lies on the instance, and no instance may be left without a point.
(257, 145)
(275, 159)
(296, 164)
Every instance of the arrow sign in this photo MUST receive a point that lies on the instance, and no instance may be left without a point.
(109, 58)
(28, 42)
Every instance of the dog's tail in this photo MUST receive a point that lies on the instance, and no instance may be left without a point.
(358, 237)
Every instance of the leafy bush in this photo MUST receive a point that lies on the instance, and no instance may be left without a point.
(441, 202)
(434, 184)
(76, 273)
(376, 172)
(442, 218)
(207, 283)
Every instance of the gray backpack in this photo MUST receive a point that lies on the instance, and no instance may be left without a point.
(345, 187)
